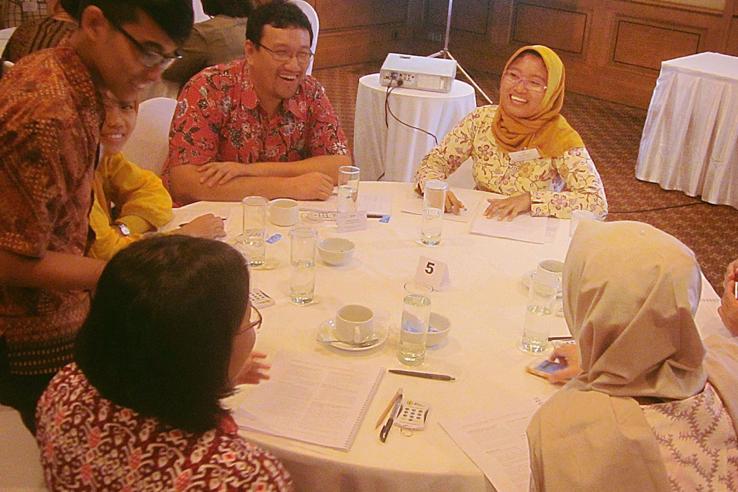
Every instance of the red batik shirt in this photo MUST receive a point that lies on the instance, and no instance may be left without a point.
(89, 443)
(218, 118)
(50, 118)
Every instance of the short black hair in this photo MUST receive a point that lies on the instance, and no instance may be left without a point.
(278, 13)
(231, 8)
(71, 7)
(175, 17)
(159, 335)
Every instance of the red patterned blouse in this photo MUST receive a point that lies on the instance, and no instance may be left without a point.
(89, 443)
(218, 118)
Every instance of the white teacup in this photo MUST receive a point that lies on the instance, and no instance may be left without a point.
(355, 324)
(284, 212)
(553, 269)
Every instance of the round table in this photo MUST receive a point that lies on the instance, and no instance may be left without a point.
(485, 303)
(392, 151)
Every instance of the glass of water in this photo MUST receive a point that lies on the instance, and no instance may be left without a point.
(303, 240)
(416, 309)
(434, 201)
(348, 189)
(539, 312)
(254, 228)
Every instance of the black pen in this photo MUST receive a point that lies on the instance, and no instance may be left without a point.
(426, 375)
(551, 339)
(391, 420)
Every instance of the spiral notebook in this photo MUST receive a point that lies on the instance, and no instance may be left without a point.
(311, 399)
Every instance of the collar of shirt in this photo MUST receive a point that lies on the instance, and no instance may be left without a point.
(251, 100)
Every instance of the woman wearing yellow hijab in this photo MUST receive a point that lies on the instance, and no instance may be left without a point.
(523, 147)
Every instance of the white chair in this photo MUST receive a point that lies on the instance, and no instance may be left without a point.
(20, 462)
(4, 37)
(312, 16)
(149, 143)
(200, 15)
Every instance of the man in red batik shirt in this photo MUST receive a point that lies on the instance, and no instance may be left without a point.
(257, 126)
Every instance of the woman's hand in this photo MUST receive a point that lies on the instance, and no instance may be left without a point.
(254, 370)
(453, 204)
(207, 226)
(567, 354)
(218, 173)
(728, 309)
(508, 208)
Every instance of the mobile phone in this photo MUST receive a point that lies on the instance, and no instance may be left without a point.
(543, 367)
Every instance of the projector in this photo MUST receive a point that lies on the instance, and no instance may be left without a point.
(418, 72)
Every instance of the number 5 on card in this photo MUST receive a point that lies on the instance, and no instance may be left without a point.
(433, 273)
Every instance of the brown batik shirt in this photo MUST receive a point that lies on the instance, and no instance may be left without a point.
(50, 118)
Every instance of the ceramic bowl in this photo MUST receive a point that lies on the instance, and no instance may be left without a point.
(335, 250)
(438, 329)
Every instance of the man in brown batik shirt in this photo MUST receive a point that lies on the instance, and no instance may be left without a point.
(50, 117)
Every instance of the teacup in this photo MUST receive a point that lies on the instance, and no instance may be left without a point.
(355, 324)
(284, 212)
(553, 269)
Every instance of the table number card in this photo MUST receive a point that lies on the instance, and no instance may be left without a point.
(433, 273)
(352, 221)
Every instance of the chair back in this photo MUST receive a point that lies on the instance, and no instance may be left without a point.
(312, 16)
(200, 15)
(148, 145)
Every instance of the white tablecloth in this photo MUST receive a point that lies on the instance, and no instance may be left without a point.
(485, 303)
(393, 153)
(690, 139)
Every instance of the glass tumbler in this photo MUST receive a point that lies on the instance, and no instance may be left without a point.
(416, 309)
(303, 240)
(539, 311)
(434, 201)
(348, 189)
(254, 229)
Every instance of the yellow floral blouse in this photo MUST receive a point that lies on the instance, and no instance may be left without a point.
(557, 185)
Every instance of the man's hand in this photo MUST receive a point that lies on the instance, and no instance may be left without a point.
(453, 204)
(508, 208)
(728, 309)
(207, 226)
(567, 354)
(311, 186)
(254, 370)
(218, 173)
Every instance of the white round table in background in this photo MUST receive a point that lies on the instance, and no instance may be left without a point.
(393, 152)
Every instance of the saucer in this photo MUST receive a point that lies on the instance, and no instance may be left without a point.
(327, 331)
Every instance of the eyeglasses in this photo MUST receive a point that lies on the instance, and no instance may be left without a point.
(149, 57)
(254, 321)
(514, 79)
(283, 56)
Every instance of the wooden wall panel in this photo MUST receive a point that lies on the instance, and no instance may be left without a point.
(646, 46)
(559, 29)
(341, 14)
(467, 15)
(733, 38)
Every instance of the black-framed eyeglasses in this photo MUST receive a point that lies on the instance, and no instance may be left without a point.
(283, 56)
(148, 57)
(254, 321)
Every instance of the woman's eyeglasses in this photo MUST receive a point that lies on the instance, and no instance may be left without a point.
(283, 56)
(254, 321)
(148, 57)
(513, 79)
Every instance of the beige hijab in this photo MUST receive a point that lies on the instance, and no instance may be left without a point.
(630, 293)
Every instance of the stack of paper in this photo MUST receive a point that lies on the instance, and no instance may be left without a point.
(521, 228)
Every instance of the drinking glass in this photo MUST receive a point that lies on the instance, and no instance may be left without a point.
(348, 189)
(254, 228)
(303, 240)
(539, 311)
(434, 201)
(416, 309)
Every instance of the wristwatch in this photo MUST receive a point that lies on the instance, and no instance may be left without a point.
(124, 230)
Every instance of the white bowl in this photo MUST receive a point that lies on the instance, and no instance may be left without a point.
(438, 329)
(335, 250)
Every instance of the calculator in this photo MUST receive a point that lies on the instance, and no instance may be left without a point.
(260, 299)
(413, 415)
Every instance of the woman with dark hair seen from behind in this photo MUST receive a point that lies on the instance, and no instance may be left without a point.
(169, 334)
(217, 40)
(523, 148)
(654, 408)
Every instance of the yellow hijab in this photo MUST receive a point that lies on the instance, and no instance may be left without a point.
(546, 130)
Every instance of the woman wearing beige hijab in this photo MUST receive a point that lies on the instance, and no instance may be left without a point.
(646, 413)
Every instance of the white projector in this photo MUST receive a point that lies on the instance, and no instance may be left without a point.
(418, 72)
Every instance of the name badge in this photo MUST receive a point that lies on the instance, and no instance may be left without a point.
(525, 155)
(433, 273)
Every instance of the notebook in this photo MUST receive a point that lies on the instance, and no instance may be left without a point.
(311, 399)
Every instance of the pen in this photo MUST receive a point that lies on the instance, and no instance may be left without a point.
(388, 425)
(426, 375)
(398, 394)
(551, 339)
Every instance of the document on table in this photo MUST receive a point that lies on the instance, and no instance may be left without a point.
(414, 205)
(495, 441)
(372, 203)
(311, 399)
(521, 228)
